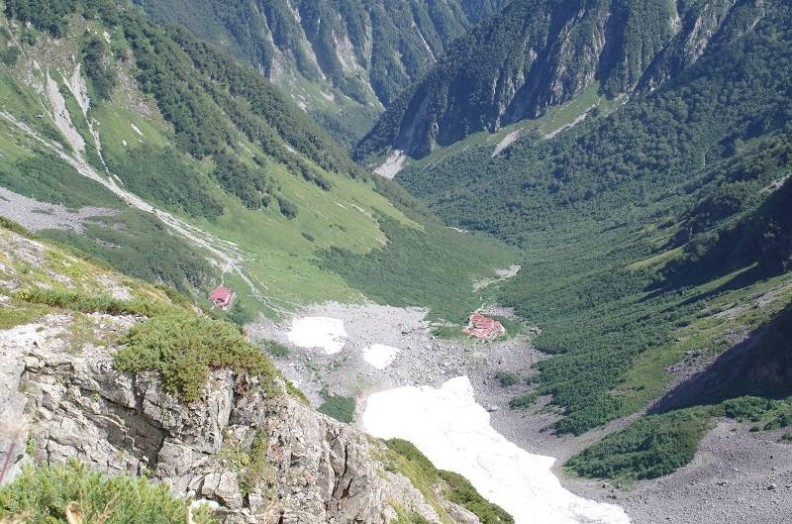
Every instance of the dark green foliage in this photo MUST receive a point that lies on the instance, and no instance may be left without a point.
(45, 15)
(251, 185)
(140, 245)
(46, 492)
(506, 378)
(10, 55)
(276, 350)
(461, 492)
(98, 63)
(649, 448)
(258, 109)
(164, 177)
(455, 487)
(766, 414)
(406, 272)
(487, 79)
(287, 208)
(166, 72)
(399, 35)
(14, 227)
(523, 401)
(579, 206)
(762, 236)
(184, 348)
(338, 407)
(47, 178)
(241, 314)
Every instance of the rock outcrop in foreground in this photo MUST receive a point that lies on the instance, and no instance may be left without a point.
(250, 450)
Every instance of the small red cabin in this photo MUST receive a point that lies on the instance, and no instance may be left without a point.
(483, 327)
(222, 297)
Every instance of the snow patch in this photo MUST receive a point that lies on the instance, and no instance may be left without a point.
(379, 355)
(136, 129)
(391, 167)
(454, 432)
(325, 333)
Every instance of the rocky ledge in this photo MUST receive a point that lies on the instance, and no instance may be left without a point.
(253, 456)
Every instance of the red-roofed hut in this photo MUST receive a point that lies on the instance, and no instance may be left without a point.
(222, 297)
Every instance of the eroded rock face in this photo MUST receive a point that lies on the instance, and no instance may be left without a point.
(314, 470)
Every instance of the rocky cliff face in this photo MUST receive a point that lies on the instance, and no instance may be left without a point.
(309, 468)
(539, 53)
(254, 455)
(353, 55)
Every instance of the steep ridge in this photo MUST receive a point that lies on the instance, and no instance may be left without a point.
(340, 61)
(536, 54)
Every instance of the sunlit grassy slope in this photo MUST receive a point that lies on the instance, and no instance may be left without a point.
(141, 151)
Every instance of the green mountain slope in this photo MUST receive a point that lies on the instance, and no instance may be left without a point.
(341, 61)
(539, 53)
(202, 171)
(656, 233)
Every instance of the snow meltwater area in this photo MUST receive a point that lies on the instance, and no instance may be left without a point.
(454, 432)
(327, 334)
(379, 355)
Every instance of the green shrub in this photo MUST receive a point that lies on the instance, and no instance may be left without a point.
(649, 448)
(10, 56)
(276, 350)
(462, 492)
(507, 378)
(523, 401)
(14, 227)
(287, 209)
(184, 348)
(456, 488)
(44, 493)
(76, 301)
(338, 407)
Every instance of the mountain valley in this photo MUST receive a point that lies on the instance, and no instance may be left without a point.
(607, 182)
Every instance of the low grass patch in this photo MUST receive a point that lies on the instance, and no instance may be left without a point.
(42, 495)
(434, 267)
(17, 313)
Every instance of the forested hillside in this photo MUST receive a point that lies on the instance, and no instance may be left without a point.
(341, 61)
(541, 53)
(155, 152)
(656, 234)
